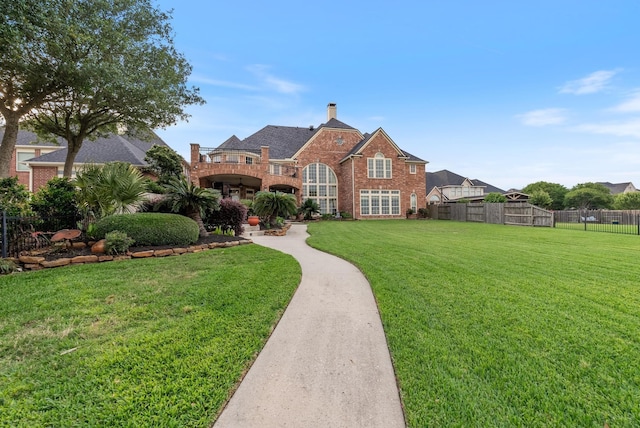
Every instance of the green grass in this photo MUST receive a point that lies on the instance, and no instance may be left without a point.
(494, 325)
(154, 342)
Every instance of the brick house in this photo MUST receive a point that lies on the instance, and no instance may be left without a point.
(343, 170)
(35, 162)
(446, 186)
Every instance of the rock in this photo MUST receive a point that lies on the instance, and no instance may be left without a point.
(98, 247)
(105, 258)
(179, 250)
(56, 263)
(163, 253)
(85, 259)
(78, 245)
(142, 254)
(31, 260)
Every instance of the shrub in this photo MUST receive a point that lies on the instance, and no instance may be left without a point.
(14, 197)
(495, 197)
(117, 242)
(270, 205)
(56, 204)
(151, 228)
(309, 208)
(230, 216)
(7, 266)
(423, 213)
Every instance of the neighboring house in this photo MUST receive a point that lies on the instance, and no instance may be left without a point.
(36, 162)
(343, 170)
(618, 188)
(446, 186)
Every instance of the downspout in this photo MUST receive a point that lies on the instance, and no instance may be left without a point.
(353, 187)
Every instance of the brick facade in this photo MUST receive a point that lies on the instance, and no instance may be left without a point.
(342, 148)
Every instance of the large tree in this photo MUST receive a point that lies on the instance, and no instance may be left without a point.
(33, 68)
(589, 196)
(127, 74)
(554, 190)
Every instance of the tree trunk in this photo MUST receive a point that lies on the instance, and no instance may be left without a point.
(8, 142)
(195, 216)
(73, 147)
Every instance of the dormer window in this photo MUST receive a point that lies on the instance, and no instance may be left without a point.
(379, 166)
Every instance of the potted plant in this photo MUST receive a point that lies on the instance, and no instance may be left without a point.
(252, 218)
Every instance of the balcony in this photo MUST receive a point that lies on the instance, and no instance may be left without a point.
(210, 155)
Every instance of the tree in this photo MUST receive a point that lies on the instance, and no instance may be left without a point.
(309, 208)
(588, 196)
(114, 188)
(271, 205)
(191, 200)
(127, 74)
(33, 35)
(540, 198)
(555, 191)
(495, 197)
(164, 162)
(627, 201)
(14, 197)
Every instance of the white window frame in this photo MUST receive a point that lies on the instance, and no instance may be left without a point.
(382, 203)
(412, 168)
(320, 184)
(379, 167)
(20, 166)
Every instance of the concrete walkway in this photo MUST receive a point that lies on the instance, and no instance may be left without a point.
(327, 363)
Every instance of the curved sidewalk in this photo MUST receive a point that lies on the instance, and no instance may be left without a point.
(327, 363)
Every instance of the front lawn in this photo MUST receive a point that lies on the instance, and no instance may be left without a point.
(493, 325)
(153, 342)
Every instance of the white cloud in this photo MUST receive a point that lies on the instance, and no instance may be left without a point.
(595, 82)
(631, 105)
(543, 117)
(276, 83)
(630, 128)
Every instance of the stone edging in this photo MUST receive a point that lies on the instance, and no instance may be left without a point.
(27, 262)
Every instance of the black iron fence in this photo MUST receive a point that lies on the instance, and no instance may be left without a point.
(18, 234)
(611, 221)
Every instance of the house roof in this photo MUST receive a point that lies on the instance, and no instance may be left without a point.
(447, 178)
(615, 187)
(123, 148)
(28, 138)
(488, 187)
(283, 141)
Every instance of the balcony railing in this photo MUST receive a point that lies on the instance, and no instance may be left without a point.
(213, 155)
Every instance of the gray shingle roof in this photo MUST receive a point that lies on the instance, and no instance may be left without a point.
(283, 141)
(447, 178)
(335, 123)
(615, 188)
(123, 148)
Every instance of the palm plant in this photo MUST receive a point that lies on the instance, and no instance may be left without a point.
(191, 200)
(270, 205)
(309, 208)
(114, 188)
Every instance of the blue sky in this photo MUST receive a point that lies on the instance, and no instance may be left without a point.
(507, 92)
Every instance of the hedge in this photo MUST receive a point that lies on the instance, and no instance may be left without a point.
(151, 228)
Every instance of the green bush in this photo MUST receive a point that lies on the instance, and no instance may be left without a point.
(151, 228)
(117, 242)
(7, 266)
(56, 204)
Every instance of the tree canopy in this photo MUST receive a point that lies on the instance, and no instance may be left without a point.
(164, 162)
(123, 71)
(589, 196)
(627, 201)
(555, 191)
(33, 68)
(495, 197)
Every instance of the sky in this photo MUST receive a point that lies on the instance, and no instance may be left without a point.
(507, 92)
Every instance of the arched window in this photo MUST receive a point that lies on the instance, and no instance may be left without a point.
(414, 202)
(379, 166)
(320, 184)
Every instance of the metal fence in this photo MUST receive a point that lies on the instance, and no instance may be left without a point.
(625, 222)
(18, 234)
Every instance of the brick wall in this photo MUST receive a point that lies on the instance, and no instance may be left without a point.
(42, 174)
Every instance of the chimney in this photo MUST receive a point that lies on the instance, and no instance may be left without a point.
(332, 111)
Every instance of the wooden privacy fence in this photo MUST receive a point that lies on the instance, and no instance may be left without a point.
(513, 213)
